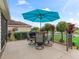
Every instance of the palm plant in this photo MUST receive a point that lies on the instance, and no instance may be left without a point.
(61, 27)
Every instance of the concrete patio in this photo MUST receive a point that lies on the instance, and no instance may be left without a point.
(21, 50)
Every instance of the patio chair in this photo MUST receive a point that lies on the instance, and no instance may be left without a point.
(32, 36)
(39, 41)
(48, 39)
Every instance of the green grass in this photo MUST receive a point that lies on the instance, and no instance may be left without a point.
(58, 37)
(76, 41)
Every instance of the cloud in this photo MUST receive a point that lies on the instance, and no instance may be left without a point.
(73, 21)
(47, 9)
(78, 13)
(66, 5)
(70, 4)
(14, 18)
(22, 2)
(70, 13)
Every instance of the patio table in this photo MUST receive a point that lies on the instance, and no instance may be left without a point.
(42, 37)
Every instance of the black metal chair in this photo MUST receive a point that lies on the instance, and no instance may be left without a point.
(32, 37)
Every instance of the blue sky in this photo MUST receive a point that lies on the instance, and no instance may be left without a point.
(67, 9)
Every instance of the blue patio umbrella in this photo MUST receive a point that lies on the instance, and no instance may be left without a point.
(39, 15)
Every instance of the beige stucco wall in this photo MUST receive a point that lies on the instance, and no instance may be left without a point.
(20, 29)
(4, 9)
(23, 29)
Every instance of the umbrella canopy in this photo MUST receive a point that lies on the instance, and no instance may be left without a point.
(39, 15)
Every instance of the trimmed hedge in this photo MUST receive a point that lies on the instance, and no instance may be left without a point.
(20, 35)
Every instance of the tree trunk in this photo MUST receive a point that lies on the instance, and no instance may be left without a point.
(47, 34)
(53, 36)
(61, 40)
(47, 37)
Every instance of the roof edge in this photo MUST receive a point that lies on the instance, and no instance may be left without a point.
(4, 9)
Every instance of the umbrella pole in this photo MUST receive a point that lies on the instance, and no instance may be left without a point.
(40, 25)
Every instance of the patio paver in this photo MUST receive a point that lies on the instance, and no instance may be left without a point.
(21, 50)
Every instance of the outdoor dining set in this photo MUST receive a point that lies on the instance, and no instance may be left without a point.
(40, 39)
(40, 16)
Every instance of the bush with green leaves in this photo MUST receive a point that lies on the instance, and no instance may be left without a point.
(20, 35)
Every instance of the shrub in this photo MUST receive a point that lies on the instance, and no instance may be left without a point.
(20, 35)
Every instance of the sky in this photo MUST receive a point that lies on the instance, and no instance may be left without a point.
(68, 10)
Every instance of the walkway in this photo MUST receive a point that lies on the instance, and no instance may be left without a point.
(21, 50)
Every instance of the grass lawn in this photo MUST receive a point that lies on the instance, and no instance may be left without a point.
(76, 41)
(57, 37)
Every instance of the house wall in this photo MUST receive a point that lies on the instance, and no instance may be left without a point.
(19, 29)
(3, 32)
(23, 29)
(4, 16)
(10, 28)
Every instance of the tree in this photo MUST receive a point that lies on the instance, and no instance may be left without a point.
(47, 27)
(61, 27)
(52, 29)
(70, 28)
(36, 29)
